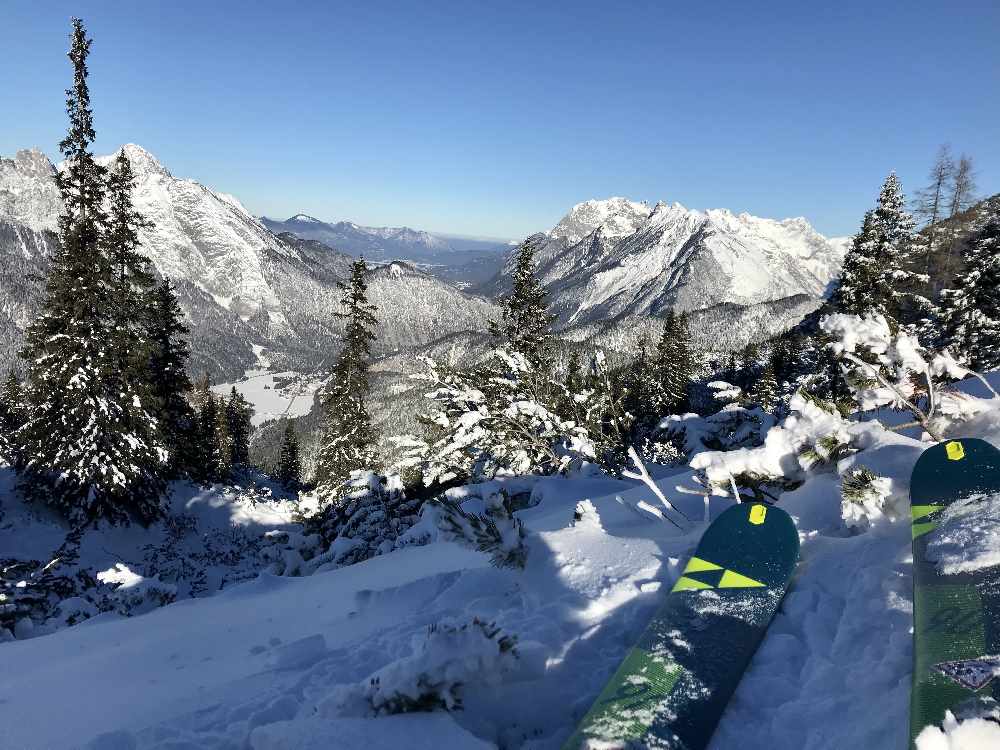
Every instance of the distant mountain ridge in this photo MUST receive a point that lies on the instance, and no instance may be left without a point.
(240, 285)
(466, 262)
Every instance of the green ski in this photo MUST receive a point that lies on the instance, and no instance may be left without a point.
(956, 615)
(672, 687)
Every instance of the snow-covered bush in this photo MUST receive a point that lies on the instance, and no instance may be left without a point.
(370, 520)
(495, 531)
(496, 418)
(133, 594)
(884, 367)
(732, 427)
(446, 658)
(810, 440)
(33, 593)
(865, 497)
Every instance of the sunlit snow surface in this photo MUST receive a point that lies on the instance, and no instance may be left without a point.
(251, 667)
(967, 536)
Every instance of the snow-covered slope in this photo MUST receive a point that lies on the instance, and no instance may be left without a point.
(611, 259)
(282, 663)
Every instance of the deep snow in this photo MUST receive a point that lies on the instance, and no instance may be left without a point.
(266, 664)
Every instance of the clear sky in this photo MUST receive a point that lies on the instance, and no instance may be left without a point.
(493, 119)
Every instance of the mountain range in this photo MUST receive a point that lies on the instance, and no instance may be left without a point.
(616, 261)
(239, 284)
(468, 262)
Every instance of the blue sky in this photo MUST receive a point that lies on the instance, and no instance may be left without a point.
(494, 118)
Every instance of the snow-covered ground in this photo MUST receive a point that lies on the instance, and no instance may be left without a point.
(279, 663)
(273, 394)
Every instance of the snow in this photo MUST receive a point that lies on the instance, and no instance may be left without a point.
(290, 662)
(274, 394)
(967, 537)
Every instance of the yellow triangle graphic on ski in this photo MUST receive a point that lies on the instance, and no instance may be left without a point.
(689, 584)
(697, 565)
(733, 580)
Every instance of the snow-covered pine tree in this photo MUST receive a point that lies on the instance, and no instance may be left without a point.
(525, 325)
(876, 277)
(348, 441)
(212, 453)
(972, 307)
(168, 380)
(289, 462)
(132, 273)
(89, 443)
(239, 426)
(857, 276)
(764, 392)
(222, 443)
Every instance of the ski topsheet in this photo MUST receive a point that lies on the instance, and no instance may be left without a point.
(956, 601)
(672, 687)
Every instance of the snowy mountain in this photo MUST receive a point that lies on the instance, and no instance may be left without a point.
(614, 259)
(239, 283)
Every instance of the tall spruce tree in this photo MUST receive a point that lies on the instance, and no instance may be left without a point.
(289, 462)
(972, 307)
(132, 273)
(90, 442)
(525, 324)
(672, 368)
(876, 278)
(348, 440)
(239, 426)
(168, 380)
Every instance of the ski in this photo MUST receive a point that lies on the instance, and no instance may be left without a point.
(956, 615)
(672, 687)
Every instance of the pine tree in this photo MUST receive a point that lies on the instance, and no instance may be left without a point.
(89, 443)
(972, 307)
(875, 279)
(348, 443)
(289, 463)
(222, 443)
(525, 322)
(857, 276)
(169, 383)
(672, 367)
(764, 392)
(133, 279)
(239, 427)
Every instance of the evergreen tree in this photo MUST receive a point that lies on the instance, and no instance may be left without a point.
(90, 442)
(168, 379)
(11, 415)
(222, 443)
(239, 427)
(875, 279)
(132, 274)
(289, 463)
(525, 322)
(972, 308)
(672, 368)
(764, 392)
(348, 443)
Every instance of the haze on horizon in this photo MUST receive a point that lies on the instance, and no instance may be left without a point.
(492, 122)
